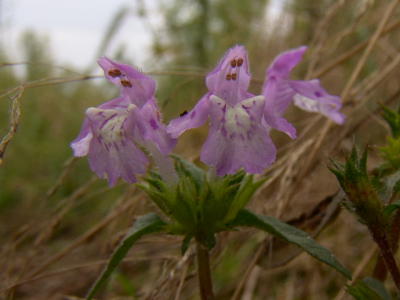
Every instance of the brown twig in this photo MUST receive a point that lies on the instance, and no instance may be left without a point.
(357, 48)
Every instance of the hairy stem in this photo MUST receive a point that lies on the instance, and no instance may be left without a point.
(204, 272)
(379, 236)
(380, 269)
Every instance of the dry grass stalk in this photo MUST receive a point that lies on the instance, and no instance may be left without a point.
(15, 117)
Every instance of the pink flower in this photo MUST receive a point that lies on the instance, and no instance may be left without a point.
(237, 137)
(279, 90)
(110, 132)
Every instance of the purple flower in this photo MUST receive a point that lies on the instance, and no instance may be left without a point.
(279, 90)
(237, 137)
(110, 132)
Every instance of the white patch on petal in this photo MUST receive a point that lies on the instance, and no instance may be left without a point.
(81, 148)
(112, 131)
(306, 103)
(110, 123)
(237, 119)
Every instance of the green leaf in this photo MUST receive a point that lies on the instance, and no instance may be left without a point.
(363, 162)
(125, 284)
(389, 209)
(186, 243)
(210, 241)
(393, 183)
(246, 191)
(378, 287)
(370, 289)
(157, 198)
(393, 119)
(391, 153)
(185, 168)
(145, 225)
(289, 234)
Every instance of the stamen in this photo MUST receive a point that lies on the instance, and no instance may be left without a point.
(126, 83)
(233, 76)
(233, 63)
(228, 77)
(239, 62)
(114, 73)
(184, 113)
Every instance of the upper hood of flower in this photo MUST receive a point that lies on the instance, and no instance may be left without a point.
(230, 79)
(131, 82)
(284, 63)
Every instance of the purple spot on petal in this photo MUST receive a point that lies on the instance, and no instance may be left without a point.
(106, 121)
(223, 131)
(192, 114)
(318, 94)
(250, 135)
(153, 124)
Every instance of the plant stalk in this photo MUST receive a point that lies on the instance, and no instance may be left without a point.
(380, 270)
(379, 236)
(204, 272)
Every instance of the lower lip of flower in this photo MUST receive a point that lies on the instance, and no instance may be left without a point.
(237, 121)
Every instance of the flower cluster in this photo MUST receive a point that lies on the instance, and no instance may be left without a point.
(239, 121)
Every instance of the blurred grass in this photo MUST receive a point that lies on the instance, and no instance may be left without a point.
(58, 223)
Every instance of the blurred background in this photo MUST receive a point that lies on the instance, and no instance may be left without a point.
(59, 223)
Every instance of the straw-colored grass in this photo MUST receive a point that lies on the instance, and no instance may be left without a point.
(59, 223)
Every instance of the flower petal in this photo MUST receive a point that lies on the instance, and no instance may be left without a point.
(112, 150)
(230, 77)
(132, 83)
(311, 96)
(228, 81)
(151, 128)
(80, 145)
(192, 119)
(278, 123)
(276, 89)
(237, 138)
(278, 94)
(284, 63)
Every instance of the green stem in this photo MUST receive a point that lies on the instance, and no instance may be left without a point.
(379, 236)
(204, 272)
